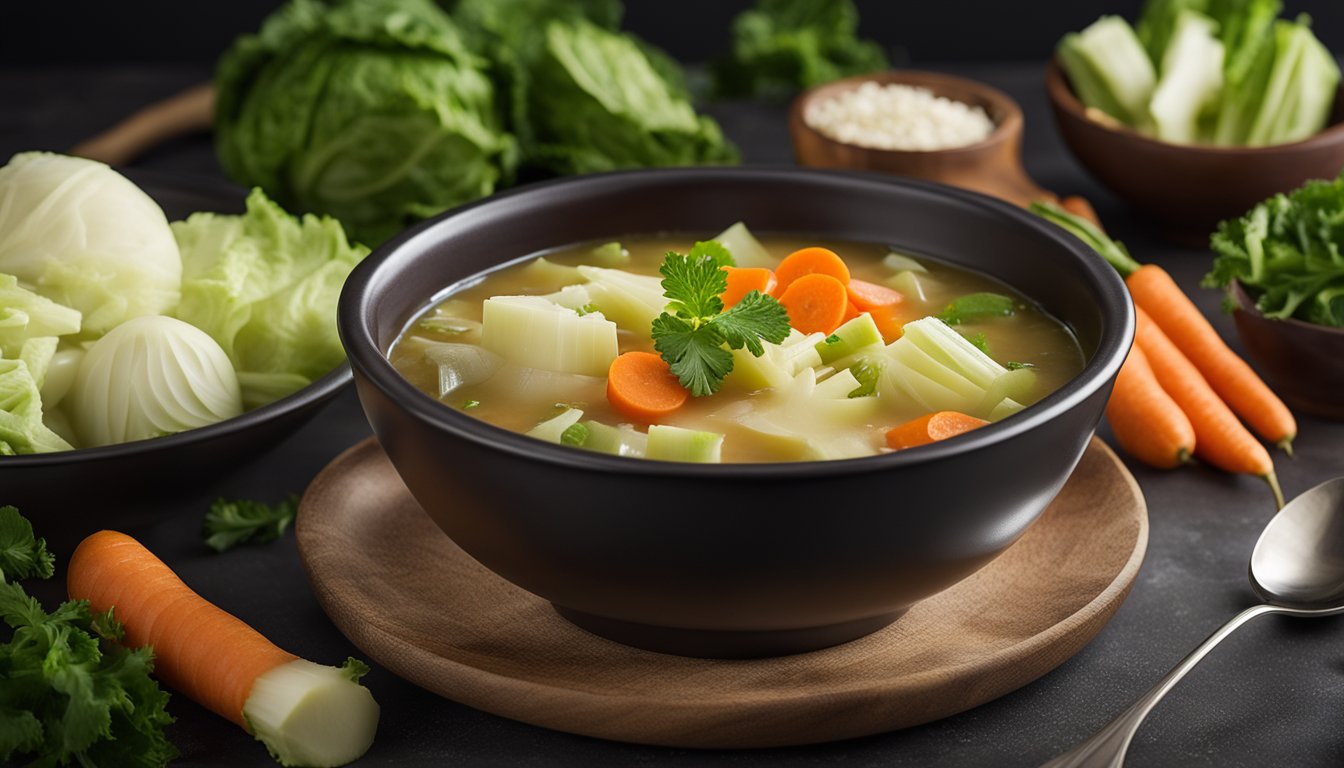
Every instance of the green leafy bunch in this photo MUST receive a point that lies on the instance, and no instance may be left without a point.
(1289, 254)
(69, 691)
(691, 336)
(230, 523)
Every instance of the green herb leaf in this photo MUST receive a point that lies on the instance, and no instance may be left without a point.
(1016, 366)
(69, 693)
(692, 335)
(22, 556)
(755, 317)
(693, 286)
(467, 405)
(712, 249)
(832, 339)
(977, 306)
(978, 339)
(230, 523)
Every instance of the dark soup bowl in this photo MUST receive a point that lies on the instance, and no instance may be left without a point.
(733, 560)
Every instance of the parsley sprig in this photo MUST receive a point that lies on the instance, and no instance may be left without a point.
(230, 523)
(691, 335)
(69, 692)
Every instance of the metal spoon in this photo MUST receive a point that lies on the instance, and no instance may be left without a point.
(1297, 568)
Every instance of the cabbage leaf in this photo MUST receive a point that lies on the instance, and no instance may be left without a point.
(264, 286)
(84, 236)
(595, 101)
(25, 315)
(21, 427)
(372, 111)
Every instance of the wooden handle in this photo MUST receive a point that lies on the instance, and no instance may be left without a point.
(188, 112)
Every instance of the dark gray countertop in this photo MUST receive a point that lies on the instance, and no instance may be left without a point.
(1273, 694)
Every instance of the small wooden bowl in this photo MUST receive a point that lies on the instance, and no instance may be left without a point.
(992, 166)
(1190, 188)
(1303, 362)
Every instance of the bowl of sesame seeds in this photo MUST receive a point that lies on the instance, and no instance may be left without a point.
(912, 123)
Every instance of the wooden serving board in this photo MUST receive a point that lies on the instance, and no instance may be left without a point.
(418, 605)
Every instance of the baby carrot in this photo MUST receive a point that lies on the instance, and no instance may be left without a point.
(743, 280)
(305, 713)
(809, 261)
(816, 303)
(640, 386)
(882, 303)
(1146, 421)
(1234, 381)
(1220, 438)
(930, 428)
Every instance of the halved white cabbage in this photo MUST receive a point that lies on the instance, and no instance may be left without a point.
(148, 377)
(86, 237)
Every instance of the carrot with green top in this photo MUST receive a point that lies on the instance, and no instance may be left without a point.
(1220, 438)
(809, 261)
(1154, 290)
(305, 713)
(816, 303)
(1145, 420)
(641, 387)
(930, 428)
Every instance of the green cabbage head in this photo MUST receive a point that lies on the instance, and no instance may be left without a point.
(371, 111)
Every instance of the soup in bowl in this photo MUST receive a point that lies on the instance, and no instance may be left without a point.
(754, 526)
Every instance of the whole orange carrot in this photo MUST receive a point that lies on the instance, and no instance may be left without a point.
(304, 713)
(1155, 291)
(1234, 381)
(1220, 438)
(1146, 422)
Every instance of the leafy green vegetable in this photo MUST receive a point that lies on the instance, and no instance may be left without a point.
(782, 46)
(691, 337)
(979, 340)
(1289, 254)
(25, 315)
(68, 691)
(230, 523)
(21, 427)
(264, 285)
(372, 111)
(86, 237)
(1016, 366)
(977, 306)
(469, 404)
(1232, 73)
(594, 101)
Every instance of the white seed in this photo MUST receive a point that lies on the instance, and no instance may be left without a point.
(900, 117)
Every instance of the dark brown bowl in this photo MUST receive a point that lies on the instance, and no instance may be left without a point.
(733, 559)
(992, 166)
(1302, 362)
(1190, 188)
(71, 494)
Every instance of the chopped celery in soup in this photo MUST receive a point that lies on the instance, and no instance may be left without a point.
(737, 349)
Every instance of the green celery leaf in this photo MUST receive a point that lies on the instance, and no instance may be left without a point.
(230, 523)
(869, 373)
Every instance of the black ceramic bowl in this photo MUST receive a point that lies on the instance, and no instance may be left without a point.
(745, 559)
(74, 493)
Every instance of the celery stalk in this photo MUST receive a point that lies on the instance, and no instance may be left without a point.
(1192, 80)
(1109, 69)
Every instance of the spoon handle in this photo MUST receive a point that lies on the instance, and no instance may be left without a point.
(1106, 748)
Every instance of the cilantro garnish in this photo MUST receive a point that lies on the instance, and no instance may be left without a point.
(230, 523)
(691, 334)
(70, 692)
(469, 404)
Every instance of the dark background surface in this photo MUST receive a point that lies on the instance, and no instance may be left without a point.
(913, 31)
(1273, 694)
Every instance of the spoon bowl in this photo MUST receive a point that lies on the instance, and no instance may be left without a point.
(1297, 568)
(1298, 563)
